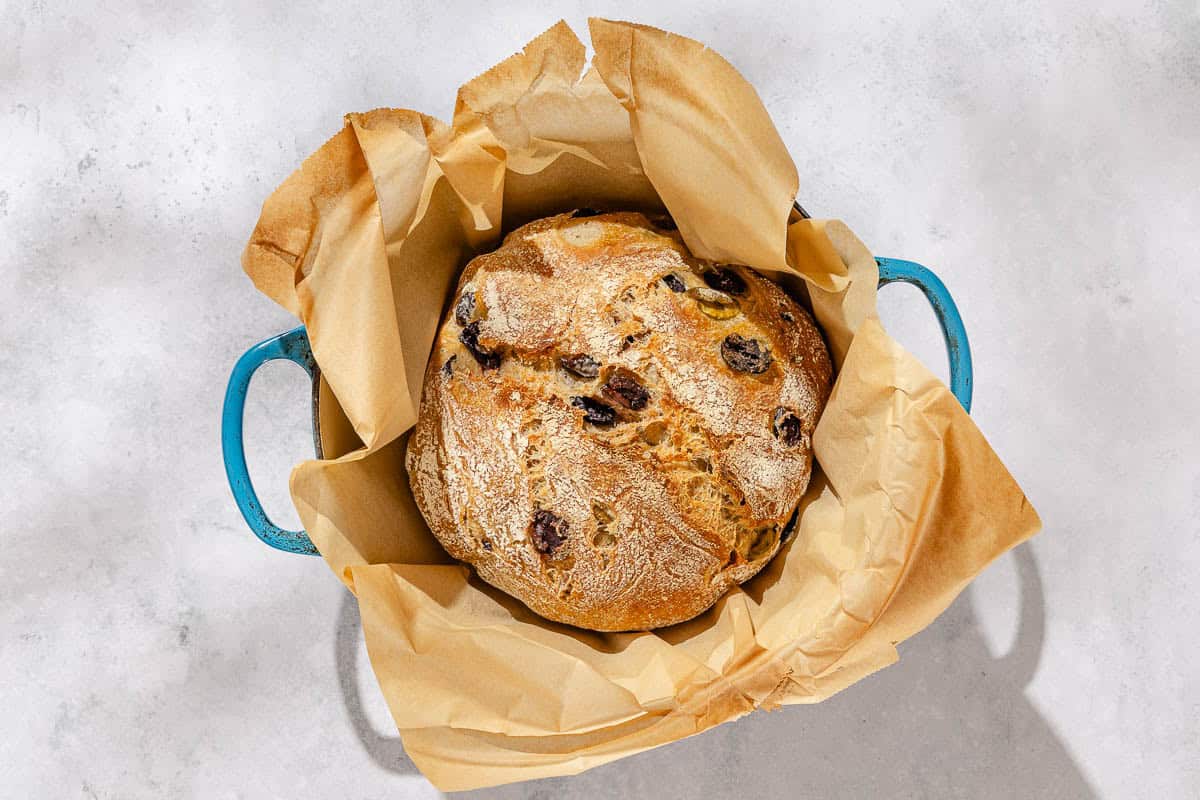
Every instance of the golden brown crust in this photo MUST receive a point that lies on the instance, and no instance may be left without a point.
(645, 521)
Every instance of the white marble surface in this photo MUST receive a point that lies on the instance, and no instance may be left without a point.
(1044, 159)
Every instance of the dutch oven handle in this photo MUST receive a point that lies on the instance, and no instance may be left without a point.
(290, 346)
(958, 349)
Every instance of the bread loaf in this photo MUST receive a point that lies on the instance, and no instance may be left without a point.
(612, 430)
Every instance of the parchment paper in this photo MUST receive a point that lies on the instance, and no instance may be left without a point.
(364, 243)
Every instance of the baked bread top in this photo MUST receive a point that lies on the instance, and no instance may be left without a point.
(612, 430)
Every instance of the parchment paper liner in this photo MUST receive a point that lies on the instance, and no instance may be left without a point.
(364, 243)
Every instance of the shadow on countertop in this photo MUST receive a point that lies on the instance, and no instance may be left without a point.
(386, 751)
(949, 720)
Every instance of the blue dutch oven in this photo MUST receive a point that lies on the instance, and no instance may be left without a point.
(333, 435)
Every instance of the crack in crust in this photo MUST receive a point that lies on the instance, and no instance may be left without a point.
(647, 520)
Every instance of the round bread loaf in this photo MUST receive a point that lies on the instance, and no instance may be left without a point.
(612, 430)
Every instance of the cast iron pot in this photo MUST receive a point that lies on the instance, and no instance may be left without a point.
(333, 436)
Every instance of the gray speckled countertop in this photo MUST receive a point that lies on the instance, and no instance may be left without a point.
(1045, 160)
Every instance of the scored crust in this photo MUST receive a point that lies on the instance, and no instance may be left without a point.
(614, 431)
